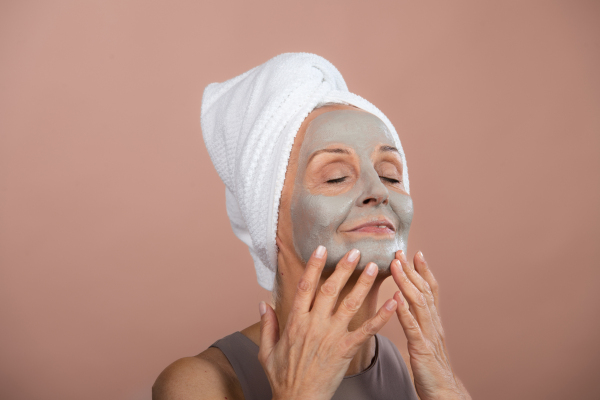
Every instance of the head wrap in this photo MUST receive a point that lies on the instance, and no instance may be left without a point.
(249, 124)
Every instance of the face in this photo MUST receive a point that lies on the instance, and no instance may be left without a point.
(348, 190)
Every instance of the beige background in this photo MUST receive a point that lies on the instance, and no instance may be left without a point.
(115, 250)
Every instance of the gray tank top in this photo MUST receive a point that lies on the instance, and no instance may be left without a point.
(386, 378)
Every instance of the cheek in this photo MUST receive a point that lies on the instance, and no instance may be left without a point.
(402, 206)
(312, 213)
(315, 220)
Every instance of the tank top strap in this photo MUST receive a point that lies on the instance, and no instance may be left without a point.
(242, 354)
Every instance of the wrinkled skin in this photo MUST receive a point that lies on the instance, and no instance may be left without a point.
(326, 315)
(336, 191)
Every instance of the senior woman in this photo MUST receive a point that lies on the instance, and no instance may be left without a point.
(317, 187)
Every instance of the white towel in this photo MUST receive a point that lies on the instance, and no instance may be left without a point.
(249, 124)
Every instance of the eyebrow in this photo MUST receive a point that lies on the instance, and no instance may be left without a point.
(384, 149)
(337, 151)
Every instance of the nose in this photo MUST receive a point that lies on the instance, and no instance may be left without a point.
(374, 191)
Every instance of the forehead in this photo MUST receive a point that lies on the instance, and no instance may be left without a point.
(358, 129)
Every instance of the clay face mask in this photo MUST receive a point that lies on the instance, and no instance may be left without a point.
(348, 191)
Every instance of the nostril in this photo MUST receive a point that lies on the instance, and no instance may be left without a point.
(375, 200)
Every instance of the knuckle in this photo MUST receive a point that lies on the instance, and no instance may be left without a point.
(368, 329)
(346, 347)
(312, 335)
(343, 346)
(313, 267)
(365, 282)
(304, 286)
(313, 263)
(293, 320)
(381, 316)
(291, 331)
(351, 304)
(345, 266)
(420, 300)
(412, 325)
(426, 287)
(405, 308)
(328, 289)
(265, 325)
(428, 294)
(430, 300)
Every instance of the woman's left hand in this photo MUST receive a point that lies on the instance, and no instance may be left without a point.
(417, 310)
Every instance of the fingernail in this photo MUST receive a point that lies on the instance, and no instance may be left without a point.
(371, 269)
(320, 252)
(353, 255)
(390, 304)
(420, 255)
(262, 308)
(402, 256)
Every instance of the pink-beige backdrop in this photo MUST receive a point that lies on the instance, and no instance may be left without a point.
(116, 254)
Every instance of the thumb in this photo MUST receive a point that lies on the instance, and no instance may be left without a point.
(269, 329)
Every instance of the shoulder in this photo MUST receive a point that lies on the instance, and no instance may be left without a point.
(205, 376)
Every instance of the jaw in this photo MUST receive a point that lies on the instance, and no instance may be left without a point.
(373, 248)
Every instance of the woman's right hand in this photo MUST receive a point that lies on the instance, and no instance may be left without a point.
(309, 359)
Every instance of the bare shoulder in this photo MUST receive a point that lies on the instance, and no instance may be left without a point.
(205, 376)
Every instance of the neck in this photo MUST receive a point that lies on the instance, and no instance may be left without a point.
(289, 275)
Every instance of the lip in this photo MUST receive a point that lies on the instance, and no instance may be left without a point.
(378, 226)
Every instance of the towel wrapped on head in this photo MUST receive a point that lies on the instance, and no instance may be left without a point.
(249, 124)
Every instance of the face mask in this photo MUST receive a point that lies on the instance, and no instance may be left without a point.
(348, 191)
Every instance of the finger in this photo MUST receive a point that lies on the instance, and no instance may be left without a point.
(328, 293)
(418, 281)
(354, 300)
(423, 269)
(269, 330)
(309, 280)
(357, 337)
(416, 300)
(400, 254)
(428, 290)
(410, 326)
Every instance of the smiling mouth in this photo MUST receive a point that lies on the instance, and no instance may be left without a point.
(381, 227)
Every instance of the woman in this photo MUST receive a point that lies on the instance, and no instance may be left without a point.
(317, 187)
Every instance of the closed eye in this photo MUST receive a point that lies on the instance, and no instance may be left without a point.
(390, 180)
(337, 180)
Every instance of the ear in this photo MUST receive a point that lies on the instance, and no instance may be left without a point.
(281, 244)
(278, 243)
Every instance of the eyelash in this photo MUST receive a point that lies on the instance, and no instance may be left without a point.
(337, 180)
(390, 180)
(343, 178)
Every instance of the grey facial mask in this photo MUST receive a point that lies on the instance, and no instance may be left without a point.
(320, 219)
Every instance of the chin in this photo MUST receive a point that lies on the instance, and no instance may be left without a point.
(381, 252)
(383, 259)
